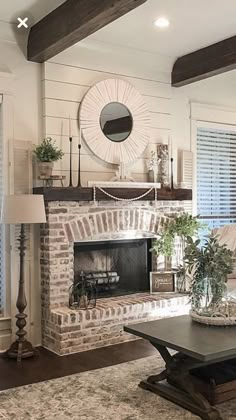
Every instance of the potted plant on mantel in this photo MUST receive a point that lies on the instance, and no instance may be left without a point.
(173, 237)
(46, 154)
(209, 267)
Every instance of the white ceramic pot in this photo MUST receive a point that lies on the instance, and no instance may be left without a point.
(45, 169)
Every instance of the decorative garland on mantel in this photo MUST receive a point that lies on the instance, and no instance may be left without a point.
(113, 197)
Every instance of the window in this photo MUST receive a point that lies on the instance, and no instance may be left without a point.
(216, 174)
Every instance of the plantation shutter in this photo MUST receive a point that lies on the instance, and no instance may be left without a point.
(186, 175)
(2, 286)
(216, 175)
(20, 156)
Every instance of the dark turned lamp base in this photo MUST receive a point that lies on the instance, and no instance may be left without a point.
(21, 209)
(21, 350)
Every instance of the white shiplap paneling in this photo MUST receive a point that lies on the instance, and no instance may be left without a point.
(88, 77)
(64, 86)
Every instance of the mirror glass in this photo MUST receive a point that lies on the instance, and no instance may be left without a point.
(116, 121)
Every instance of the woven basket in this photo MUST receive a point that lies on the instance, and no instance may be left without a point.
(218, 319)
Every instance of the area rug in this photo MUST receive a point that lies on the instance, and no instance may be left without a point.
(105, 394)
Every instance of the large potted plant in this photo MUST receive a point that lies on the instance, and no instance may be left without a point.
(209, 266)
(46, 154)
(173, 237)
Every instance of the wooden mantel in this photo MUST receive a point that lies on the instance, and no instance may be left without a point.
(86, 194)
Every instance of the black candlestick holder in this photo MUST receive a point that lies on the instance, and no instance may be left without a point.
(79, 167)
(70, 181)
(171, 174)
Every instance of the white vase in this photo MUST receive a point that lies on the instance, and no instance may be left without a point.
(45, 169)
(151, 175)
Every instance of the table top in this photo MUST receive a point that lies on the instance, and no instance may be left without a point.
(202, 342)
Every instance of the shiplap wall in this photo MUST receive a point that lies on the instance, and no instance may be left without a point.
(64, 86)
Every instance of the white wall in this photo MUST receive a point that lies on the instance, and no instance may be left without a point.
(26, 86)
(215, 91)
(21, 88)
(65, 79)
(68, 76)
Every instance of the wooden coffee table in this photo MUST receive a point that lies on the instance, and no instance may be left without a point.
(197, 345)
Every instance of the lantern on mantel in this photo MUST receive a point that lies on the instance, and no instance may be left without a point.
(83, 294)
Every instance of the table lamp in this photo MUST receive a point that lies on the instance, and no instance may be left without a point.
(22, 209)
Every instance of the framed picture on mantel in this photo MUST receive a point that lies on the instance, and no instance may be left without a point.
(162, 281)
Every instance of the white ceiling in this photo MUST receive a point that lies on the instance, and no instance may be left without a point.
(33, 9)
(194, 23)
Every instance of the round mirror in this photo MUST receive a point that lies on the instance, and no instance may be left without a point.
(116, 121)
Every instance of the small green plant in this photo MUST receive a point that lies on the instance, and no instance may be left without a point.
(47, 151)
(209, 266)
(184, 225)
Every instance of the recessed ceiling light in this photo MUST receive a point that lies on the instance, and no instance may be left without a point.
(162, 22)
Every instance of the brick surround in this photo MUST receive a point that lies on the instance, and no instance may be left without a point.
(66, 331)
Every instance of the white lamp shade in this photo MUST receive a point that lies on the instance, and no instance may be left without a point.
(17, 209)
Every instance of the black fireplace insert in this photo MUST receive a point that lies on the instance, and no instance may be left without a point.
(115, 268)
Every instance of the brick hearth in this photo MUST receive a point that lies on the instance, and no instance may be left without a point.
(66, 331)
(70, 331)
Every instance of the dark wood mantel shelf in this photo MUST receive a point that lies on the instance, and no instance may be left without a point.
(86, 194)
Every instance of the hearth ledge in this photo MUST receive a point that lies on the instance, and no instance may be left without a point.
(71, 331)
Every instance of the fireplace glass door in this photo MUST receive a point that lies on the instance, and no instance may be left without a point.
(116, 268)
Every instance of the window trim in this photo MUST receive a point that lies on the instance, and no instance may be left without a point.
(209, 116)
(194, 127)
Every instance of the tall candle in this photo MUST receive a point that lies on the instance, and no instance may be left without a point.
(169, 147)
(70, 134)
(80, 135)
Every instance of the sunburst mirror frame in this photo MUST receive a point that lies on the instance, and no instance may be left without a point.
(100, 95)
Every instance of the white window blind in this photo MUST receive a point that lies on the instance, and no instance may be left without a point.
(186, 175)
(1, 229)
(216, 175)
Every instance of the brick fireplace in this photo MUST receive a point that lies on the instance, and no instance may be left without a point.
(67, 331)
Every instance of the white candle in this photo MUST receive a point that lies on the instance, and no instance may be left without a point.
(70, 134)
(80, 135)
(169, 146)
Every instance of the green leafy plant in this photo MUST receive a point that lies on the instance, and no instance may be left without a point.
(47, 151)
(183, 225)
(209, 266)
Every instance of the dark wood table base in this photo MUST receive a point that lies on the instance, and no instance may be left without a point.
(175, 383)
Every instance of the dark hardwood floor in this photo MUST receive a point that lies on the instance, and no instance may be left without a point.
(47, 365)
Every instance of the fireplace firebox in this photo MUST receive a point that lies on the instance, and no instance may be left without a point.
(115, 268)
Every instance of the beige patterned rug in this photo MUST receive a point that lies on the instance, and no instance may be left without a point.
(105, 394)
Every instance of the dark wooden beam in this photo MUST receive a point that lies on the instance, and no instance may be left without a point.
(71, 22)
(86, 194)
(206, 62)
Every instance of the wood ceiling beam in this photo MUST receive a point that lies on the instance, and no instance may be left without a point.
(206, 62)
(71, 22)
